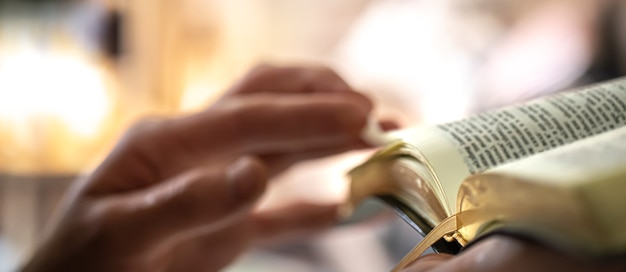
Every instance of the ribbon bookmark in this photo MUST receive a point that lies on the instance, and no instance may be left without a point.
(448, 229)
(445, 228)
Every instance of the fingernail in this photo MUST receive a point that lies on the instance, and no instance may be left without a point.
(389, 125)
(247, 177)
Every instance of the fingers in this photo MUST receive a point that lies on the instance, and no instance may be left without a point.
(502, 253)
(201, 200)
(256, 124)
(428, 263)
(388, 125)
(293, 221)
(266, 78)
(261, 124)
(511, 254)
(213, 251)
(304, 109)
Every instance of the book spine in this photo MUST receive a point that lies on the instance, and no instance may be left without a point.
(493, 138)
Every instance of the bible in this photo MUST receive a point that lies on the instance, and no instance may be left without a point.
(551, 169)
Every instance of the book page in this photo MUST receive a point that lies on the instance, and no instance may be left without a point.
(593, 169)
(440, 157)
(569, 197)
(512, 133)
(458, 149)
(582, 162)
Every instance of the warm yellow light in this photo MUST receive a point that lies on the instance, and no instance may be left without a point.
(56, 106)
(37, 84)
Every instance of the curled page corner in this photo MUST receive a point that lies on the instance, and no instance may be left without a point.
(373, 134)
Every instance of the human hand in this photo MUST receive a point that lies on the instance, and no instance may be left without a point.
(177, 194)
(501, 253)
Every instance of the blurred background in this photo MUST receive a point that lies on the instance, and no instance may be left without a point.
(75, 74)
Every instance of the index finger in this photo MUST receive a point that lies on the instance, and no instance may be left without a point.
(266, 78)
(273, 124)
(256, 124)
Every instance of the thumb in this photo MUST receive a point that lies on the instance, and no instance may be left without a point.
(428, 263)
(198, 200)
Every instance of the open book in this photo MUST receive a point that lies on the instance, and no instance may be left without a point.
(552, 169)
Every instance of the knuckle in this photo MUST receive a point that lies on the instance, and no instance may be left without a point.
(255, 78)
(188, 201)
(183, 204)
(144, 147)
(146, 135)
(243, 119)
(144, 130)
